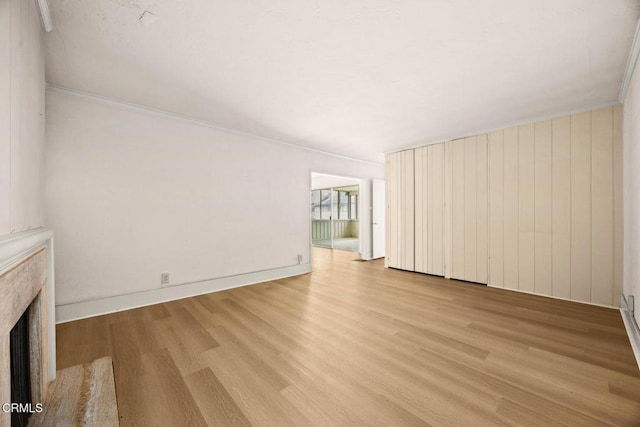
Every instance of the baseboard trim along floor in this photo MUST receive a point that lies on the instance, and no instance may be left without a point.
(97, 307)
(632, 328)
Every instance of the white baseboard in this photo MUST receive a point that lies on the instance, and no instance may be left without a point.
(97, 307)
(632, 328)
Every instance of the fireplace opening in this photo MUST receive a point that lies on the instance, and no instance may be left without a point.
(20, 370)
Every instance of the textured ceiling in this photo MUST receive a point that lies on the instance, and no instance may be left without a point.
(353, 77)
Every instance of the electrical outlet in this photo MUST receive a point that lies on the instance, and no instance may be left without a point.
(164, 278)
(300, 259)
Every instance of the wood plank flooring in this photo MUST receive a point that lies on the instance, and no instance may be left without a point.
(355, 343)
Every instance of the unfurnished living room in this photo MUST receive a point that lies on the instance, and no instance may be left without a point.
(319, 213)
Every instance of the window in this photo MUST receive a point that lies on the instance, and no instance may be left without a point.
(336, 204)
(325, 204)
(343, 205)
(315, 204)
(353, 206)
(320, 204)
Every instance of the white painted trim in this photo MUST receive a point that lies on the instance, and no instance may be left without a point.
(14, 246)
(504, 126)
(166, 114)
(547, 296)
(45, 14)
(631, 64)
(310, 184)
(97, 307)
(17, 246)
(349, 178)
(632, 328)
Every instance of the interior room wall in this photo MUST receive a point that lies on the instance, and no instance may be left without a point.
(631, 191)
(132, 194)
(22, 88)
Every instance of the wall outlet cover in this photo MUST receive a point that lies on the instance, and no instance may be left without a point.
(164, 278)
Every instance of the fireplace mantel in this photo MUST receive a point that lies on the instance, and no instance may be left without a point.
(27, 282)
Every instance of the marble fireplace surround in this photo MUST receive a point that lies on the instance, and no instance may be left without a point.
(27, 282)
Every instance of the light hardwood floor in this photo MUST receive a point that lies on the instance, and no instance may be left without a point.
(355, 343)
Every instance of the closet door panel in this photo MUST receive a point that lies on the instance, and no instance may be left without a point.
(421, 185)
(482, 210)
(458, 209)
(429, 210)
(511, 215)
(602, 245)
(402, 196)
(581, 207)
(470, 208)
(400, 237)
(496, 208)
(543, 192)
(526, 226)
(437, 191)
(536, 208)
(561, 207)
(407, 204)
(448, 209)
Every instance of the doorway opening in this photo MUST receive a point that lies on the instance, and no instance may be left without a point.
(335, 212)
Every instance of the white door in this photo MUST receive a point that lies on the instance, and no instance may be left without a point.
(377, 217)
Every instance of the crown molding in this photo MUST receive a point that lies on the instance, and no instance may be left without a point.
(631, 64)
(166, 114)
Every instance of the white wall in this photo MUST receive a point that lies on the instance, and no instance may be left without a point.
(631, 192)
(131, 194)
(21, 116)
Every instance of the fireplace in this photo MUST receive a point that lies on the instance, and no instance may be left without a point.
(24, 335)
(20, 371)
